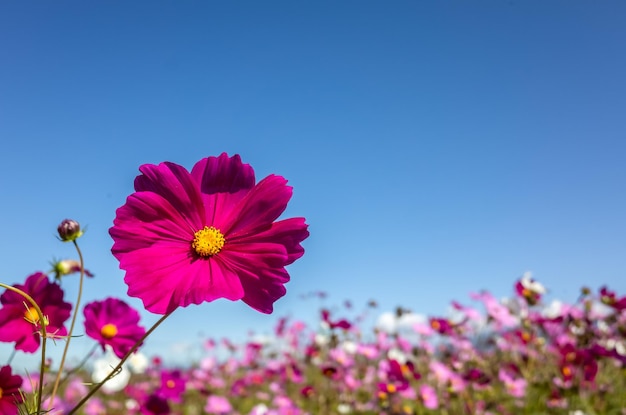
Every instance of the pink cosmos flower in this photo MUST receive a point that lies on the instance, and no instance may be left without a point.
(172, 386)
(529, 289)
(218, 405)
(9, 386)
(342, 324)
(19, 323)
(609, 298)
(189, 237)
(113, 322)
(516, 387)
(428, 395)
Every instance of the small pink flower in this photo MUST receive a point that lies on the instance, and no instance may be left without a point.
(529, 289)
(113, 322)
(172, 386)
(516, 387)
(217, 405)
(428, 396)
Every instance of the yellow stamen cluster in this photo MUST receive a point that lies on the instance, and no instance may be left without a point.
(108, 331)
(208, 241)
(31, 315)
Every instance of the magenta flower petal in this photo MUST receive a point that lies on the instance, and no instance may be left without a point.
(257, 210)
(289, 233)
(223, 174)
(186, 238)
(147, 219)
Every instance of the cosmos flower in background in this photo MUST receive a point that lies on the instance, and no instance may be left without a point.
(192, 237)
(529, 289)
(172, 385)
(19, 323)
(113, 323)
(218, 405)
(609, 298)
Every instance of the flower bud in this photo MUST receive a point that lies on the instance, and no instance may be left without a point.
(67, 267)
(69, 230)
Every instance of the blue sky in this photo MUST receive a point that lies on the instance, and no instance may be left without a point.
(435, 148)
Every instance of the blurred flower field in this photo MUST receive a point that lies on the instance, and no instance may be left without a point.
(489, 356)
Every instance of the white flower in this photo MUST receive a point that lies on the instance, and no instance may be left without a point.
(321, 339)
(349, 347)
(398, 355)
(552, 310)
(131, 404)
(532, 285)
(260, 409)
(137, 362)
(344, 408)
(105, 365)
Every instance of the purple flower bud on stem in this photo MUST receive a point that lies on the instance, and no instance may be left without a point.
(69, 230)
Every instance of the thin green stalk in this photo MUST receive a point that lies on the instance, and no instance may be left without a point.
(119, 365)
(69, 334)
(11, 357)
(43, 338)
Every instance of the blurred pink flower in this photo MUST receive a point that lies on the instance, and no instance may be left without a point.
(428, 395)
(172, 385)
(529, 289)
(94, 406)
(113, 322)
(190, 237)
(10, 391)
(515, 387)
(217, 405)
(19, 323)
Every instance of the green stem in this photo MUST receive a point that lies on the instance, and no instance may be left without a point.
(11, 357)
(69, 334)
(43, 338)
(119, 365)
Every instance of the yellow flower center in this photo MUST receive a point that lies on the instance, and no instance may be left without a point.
(31, 315)
(566, 371)
(0, 393)
(208, 241)
(108, 331)
(170, 384)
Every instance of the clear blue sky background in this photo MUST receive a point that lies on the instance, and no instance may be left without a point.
(435, 147)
